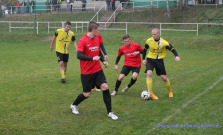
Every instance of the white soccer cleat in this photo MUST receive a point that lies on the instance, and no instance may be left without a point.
(114, 93)
(112, 116)
(125, 89)
(74, 109)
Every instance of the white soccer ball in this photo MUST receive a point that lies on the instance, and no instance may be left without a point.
(145, 95)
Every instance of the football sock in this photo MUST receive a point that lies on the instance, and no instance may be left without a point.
(132, 82)
(118, 83)
(168, 87)
(79, 99)
(149, 83)
(107, 100)
(62, 74)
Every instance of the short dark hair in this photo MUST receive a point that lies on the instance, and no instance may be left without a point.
(126, 36)
(67, 23)
(92, 25)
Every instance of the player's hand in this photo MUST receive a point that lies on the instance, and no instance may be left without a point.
(144, 62)
(106, 57)
(51, 48)
(136, 53)
(116, 67)
(96, 58)
(177, 58)
(105, 64)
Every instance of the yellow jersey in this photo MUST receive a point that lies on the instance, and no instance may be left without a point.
(157, 49)
(63, 40)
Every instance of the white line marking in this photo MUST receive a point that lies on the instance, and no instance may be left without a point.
(186, 104)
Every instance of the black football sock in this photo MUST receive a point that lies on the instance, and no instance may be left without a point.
(107, 100)
(117, 85)
(131, 82)
(79, 99)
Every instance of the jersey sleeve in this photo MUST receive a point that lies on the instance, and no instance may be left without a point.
(139, 48)
(120, 53)
(81, 45)
(100, 38)
(56, 33)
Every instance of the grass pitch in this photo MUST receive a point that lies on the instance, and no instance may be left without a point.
(34, 101)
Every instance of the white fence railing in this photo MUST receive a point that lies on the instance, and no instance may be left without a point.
(82, 25)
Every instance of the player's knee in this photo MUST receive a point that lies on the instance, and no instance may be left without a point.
(149, 74)
(165, 79)
(87, 94)
(104, 86)
(135, 77)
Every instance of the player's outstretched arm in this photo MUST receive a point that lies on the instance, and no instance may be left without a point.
(83, 57)
(52, 42)
(75, 45)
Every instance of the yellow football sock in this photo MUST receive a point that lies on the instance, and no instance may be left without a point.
(62, 74)
(149, 83)
(168, 87)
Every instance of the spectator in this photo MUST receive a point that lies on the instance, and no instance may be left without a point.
(108, 2)
(84, 2)
(18, 5)
(68, 5)
(71, 5)
(48, 2)
(33, 5)
(27, 6)
(59, 5)
(54, 3)
(113, 5)
(9, 8)
(23, 6)
(13, 7)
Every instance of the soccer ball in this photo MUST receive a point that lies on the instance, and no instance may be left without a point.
(145, 95)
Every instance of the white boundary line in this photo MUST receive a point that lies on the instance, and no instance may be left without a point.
(186, 104)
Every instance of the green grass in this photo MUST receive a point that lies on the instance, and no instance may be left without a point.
(33, 101)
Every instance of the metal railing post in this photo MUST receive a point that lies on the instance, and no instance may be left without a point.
(48, 27)
(9, 26)
(133, 5)
(114, 16)
(37, 31)
(197, 29)
(160, 29)
(126, 28)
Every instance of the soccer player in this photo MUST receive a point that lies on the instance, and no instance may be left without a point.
(132, 63)
(105, 54)
(63, 38)
(91, 72)
(157, 52)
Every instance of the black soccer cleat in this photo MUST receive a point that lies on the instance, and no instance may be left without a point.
(63, 80)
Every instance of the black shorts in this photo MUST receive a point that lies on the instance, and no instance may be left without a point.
(158, 64)
(62, 57)
(89, 81)
(127, 69)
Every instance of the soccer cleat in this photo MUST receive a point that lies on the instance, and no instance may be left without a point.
(170, 94)
(125, 89)
(114, 93)
(112, 116)
(96, 89)
(63, 80)
(154, 97)
(74, 109)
